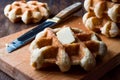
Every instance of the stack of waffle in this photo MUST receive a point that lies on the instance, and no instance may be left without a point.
(65, 47)
(28, 12)
(103, 16)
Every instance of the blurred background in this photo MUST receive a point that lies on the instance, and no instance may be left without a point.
(7, 28)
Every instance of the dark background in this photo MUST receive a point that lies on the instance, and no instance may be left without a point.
(7, 28)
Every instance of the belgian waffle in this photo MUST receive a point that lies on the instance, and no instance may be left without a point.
(104, 7)
(28, 12)
(46, 49)
(103, 25)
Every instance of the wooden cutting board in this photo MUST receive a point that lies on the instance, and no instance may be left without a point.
(17, 64)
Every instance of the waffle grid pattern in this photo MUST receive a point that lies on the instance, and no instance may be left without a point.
(47, 50)
(28, 12)
(102, 16)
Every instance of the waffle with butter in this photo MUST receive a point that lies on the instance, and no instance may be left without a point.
(65, 47)
(28, 12)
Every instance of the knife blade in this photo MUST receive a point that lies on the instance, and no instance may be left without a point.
(30, 35)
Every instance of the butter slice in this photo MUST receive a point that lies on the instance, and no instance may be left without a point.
(65, 35)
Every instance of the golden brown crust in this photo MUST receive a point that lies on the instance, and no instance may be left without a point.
(103, 25)
(102, 16)
(104, 7)
(28, 12)
(47, 49)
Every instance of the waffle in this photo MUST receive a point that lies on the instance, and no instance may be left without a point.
(104, 7)
(28, 12)
(103, 25)
(47, 50)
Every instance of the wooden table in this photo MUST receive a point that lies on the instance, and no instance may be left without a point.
(7, 28)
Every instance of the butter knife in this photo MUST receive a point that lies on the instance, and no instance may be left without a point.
(30, 35)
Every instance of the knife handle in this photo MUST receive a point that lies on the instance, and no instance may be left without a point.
(69, 10)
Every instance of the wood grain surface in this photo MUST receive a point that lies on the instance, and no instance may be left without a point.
(17, 64)
(7, 28)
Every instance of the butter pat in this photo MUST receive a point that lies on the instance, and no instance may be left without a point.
(65, 36)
